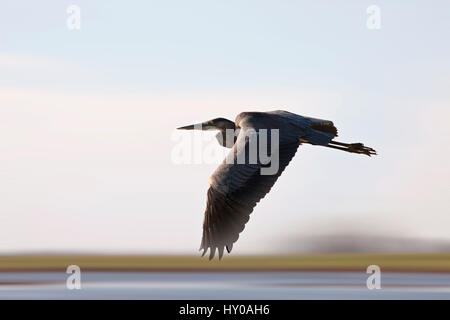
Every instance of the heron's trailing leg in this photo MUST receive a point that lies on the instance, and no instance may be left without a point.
(352, 147)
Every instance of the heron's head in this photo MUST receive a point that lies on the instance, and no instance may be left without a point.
(214, 124)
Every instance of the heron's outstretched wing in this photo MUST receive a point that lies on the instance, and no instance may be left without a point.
(234, 192)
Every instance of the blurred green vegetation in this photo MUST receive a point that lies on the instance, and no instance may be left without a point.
(325, 262)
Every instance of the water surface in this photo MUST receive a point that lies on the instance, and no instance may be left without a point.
(223, 285)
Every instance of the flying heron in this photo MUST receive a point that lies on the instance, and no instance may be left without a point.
(236, 188)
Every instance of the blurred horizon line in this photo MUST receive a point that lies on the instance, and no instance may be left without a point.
(431, 262)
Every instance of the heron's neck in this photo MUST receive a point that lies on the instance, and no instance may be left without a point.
(227, 137)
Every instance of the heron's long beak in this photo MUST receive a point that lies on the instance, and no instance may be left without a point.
(191, 127)
(198, 126)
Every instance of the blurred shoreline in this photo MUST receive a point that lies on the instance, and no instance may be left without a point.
(438, 263)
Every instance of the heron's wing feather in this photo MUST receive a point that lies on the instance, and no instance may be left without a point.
(234, 192)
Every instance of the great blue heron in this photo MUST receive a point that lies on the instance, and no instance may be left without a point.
(236, 188)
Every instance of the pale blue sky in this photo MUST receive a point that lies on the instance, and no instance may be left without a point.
(86, 118)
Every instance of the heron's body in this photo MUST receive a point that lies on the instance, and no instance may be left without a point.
(236, 187)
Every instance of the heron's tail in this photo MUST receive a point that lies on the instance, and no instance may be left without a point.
(352, 147)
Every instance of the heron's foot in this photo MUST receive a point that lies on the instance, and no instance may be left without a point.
(352, 147)
(361, 148)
